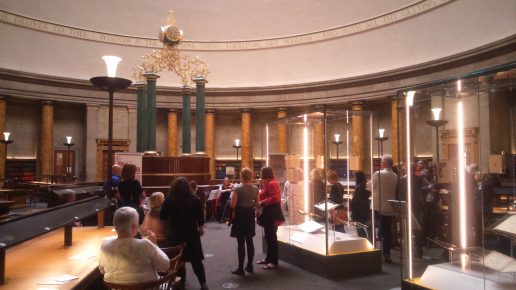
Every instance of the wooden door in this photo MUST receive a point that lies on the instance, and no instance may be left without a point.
(61, 158)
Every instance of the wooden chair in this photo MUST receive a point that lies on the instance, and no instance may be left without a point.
(166, 280)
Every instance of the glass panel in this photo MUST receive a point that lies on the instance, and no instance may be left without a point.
(317, 174)
(463, 187)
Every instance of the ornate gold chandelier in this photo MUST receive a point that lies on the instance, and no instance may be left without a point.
(170, 58)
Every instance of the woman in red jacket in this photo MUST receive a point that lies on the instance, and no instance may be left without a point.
(271, 216)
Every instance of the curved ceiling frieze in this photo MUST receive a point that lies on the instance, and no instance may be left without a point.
(412, 10)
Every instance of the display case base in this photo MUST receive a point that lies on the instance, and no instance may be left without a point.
(334, 266)
(448, 276)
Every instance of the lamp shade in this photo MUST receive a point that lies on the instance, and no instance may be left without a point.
(381, 132)
(111, 64)
(337, 137)
(68, 139)
(6, 136)
(437, 113)
(237, 142)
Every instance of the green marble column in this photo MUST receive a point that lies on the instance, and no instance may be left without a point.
(141, 112)
(150, 144)
(200, 114)
(186, 148)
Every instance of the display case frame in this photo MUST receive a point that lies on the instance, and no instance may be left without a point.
(309, 238)
(474, 133)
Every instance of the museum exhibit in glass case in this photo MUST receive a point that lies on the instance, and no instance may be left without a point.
(459, 208)
(318, 184)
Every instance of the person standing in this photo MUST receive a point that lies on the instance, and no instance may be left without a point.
(384, 188)
(339, 213)
(271, 216)
(360, 205)
(243, 199)
(185, 224)
(130, 189)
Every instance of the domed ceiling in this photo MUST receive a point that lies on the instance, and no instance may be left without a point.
(249, 43)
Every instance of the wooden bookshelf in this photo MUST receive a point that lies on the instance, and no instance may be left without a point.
(21, 169)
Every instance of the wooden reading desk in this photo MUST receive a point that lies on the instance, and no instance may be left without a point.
(41, 258)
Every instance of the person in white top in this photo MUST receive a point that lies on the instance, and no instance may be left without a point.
(127, 259)
(385, 184)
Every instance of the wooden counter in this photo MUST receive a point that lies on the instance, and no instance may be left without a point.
(19, 196)
(36, 260)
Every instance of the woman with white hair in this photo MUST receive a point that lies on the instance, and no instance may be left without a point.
(129, 260)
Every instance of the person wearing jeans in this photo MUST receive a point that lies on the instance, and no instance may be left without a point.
(271, 216)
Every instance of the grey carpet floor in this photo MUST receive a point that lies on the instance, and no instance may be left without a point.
(221, 257)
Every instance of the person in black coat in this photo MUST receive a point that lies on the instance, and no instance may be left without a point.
(185, 224)
(130, 190)
(360, 204)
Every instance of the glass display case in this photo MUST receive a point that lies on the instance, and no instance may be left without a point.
(325, 149)
(460, 220)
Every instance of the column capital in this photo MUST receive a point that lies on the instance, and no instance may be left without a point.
(210, 111)
(357, 105)
(47, 102)
(149, 75)
(173, 110)
(199, 80)
(246, 111)
(3, 97)
(140, 85)
(186, 90)
(282, 109)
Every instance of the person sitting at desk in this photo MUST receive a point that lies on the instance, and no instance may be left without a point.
(152, 221)
(127, 259)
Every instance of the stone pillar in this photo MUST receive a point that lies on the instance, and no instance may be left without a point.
(210, 139)
(186, 120)
(282, 131)
(357, 134)
(141, 111)
(47, 138)
(398, 131)
(200, 114)
(247, 147)
(172, 133)
(2, 129)
(92, 133)
(150, 144)
(318, 141)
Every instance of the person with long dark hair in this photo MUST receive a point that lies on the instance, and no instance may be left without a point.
(243, 199)
(271, 216)
(185, 224)
(360, 204)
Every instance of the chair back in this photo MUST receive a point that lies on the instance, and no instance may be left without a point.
(174, 253)
(166, 280)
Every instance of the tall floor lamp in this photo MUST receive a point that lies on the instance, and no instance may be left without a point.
(69, 144)
(237, 146)
(337, 142)
(111, 83)
(437, 122)
(381, 138)
(6, 141)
